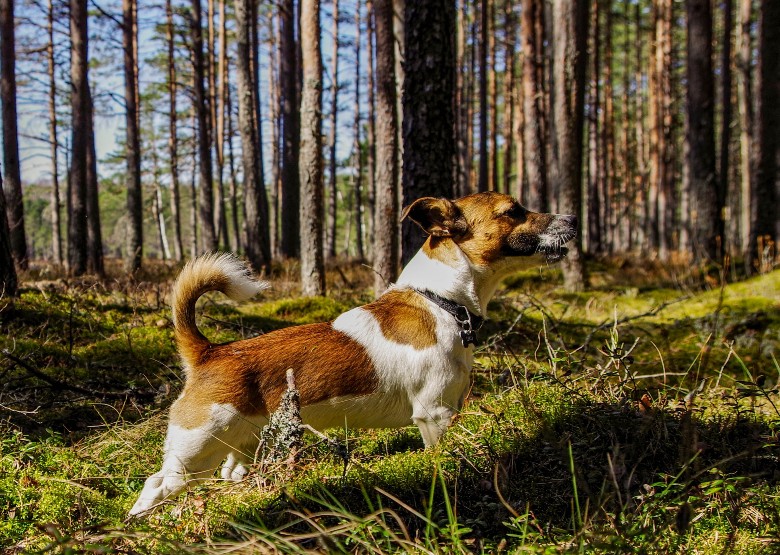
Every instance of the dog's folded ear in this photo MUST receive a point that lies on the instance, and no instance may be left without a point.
(438, 217)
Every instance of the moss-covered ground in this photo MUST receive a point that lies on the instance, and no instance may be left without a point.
(638, 416)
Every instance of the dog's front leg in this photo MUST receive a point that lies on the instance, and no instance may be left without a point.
(432, 422)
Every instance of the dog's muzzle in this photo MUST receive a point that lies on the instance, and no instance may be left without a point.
(553, 240)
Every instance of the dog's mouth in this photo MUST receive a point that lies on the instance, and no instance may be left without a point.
(553, 247)
(556, 256)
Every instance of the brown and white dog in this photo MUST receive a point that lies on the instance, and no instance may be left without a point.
(405, 358)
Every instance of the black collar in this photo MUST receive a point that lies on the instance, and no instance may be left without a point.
(468, 322)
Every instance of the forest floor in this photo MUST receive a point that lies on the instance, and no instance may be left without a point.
(640, 416)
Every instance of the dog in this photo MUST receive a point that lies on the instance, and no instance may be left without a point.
(403, 359)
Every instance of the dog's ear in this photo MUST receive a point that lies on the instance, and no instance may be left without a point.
(438, 217)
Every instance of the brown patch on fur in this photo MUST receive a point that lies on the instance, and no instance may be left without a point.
(250, 374)
(404, 318)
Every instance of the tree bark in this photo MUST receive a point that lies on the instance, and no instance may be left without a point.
(705, 217)
(332, 134)
(276, 110)
(173, 143)
(483, 179)
(745, 97)
(569, 63)
(386, 217)
(765, 225)
(77, 181)
(535, 156)
(202, 113)
(56, 231)
(371, 120)
(508, 94)
(311, 214)
(593, 241)
(429, 118)
(357, 149)
(94, 233)
(290, 201)
(257, 245)
(132, 145)
(725, 122)
(8, 278)
(12, 174)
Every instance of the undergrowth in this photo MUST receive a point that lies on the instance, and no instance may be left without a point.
(625, 419)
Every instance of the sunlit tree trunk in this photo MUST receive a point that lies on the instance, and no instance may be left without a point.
(745, 98)
(371, 120)
(356, 149)
(386, 216)
(535, 155)
(483, 181)
(311, 214)
(508, 94)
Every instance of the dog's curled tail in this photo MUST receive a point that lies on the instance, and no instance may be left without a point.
(222, 272)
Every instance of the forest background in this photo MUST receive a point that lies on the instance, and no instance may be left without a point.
(182, 127)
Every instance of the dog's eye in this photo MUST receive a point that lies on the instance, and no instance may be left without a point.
(516, 212)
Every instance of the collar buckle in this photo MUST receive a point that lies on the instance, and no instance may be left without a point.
(468, 322)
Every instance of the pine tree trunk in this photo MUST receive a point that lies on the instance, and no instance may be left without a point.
(706, 233)
(77, 180)
(290, 181)
(607, 150)
(173, 142)
(765, 225)
(593, 242)
(132, 145)
(276, 110)
(94, 234)
(429, 118)
(257, 247)
(8, 278)
(11, 174)
(202, 112)
(483, 181)
(332, 135)
(258, 110)
(371, 122)
(56, 231)
(493, 156)
(569, 62)
(386, 217)
(725, 122)
(745, 96)
(535, 155)
(236, 239)
(357, 149)
(508, 94)
(311, 214)
(218, 100)
(462, 100)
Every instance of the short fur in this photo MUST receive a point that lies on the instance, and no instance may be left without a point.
(390, 363)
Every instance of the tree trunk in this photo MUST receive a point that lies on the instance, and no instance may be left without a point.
(593, 242)
(311, 214)
(173, 143)
(94, 233)
(508, 94)
(332, 136)
(236, 239)
(725, 123)
(11, 175)
(132, 146)
(462, 101)
(386, 218)
(483, 180)
(705, 217)
(8, 279)
(290, 201)
(202, 112)
(257, 245)
(276, 110)
(77, 181)
(569, 63)
(607, 150)
(429, 119)
(745, 98)
(535, 155)
(218, 100)
(371, 122)
(765, 225)
(56, 231)
(493, 156)
(357, 150)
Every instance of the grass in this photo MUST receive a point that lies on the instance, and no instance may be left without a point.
(626, 419)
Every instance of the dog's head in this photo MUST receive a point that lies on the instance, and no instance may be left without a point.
(492, 230)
